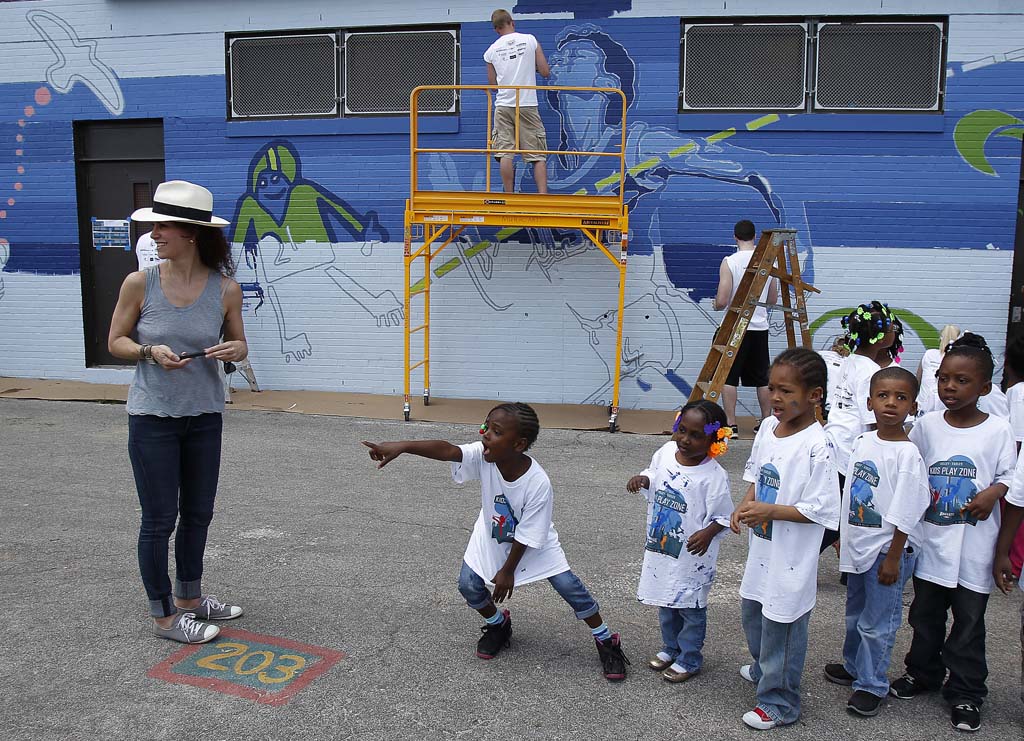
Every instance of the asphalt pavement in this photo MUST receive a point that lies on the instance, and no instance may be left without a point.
(327, 553)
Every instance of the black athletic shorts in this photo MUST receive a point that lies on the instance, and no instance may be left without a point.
(750, 368)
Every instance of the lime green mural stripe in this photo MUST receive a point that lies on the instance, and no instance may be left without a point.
(757, 123)
(689, 147)
(477, 248)
(645, 165)
(925, 330)
(605, 182)
(448, 267)
(721, 135)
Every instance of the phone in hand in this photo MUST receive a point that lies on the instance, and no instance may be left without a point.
(197, 354)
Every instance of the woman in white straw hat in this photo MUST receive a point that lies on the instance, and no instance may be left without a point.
(177, 320)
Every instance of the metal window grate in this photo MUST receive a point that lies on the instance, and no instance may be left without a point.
(751, 66)
(879, 66)
(382, 68)
(295, 75)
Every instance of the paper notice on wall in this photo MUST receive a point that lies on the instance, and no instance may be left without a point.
(111, 233)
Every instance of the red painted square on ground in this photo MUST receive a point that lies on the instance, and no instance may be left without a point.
(263, 668)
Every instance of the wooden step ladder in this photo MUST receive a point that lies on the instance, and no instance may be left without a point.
(774, 257)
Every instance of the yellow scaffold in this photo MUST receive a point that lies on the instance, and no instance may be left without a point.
(438, 217)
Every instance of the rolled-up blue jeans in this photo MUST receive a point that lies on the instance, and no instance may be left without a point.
(873, 615)
(779, 650)
(567, 584)
(176, 461)
(682, 632)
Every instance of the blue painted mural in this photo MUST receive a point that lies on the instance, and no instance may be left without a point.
(318, 214)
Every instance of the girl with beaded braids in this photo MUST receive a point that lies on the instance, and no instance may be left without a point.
(870, 334)
(513, 541)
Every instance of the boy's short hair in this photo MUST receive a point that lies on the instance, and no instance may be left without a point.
(744, 230)
(501, 18)
(895, 373)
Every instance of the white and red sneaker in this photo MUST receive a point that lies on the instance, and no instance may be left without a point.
(759, 720)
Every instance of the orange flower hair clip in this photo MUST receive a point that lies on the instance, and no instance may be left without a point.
(722, 435)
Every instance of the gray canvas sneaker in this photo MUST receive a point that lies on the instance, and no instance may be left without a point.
(210, 608)
(186, 629)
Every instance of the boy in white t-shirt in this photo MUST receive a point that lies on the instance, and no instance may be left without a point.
(970, 457)
(884, 499)
(688, 506)
(514, 541)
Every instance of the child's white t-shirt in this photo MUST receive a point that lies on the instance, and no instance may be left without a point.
(517, 510)
(848, 415)
(1015, 401)
(833, 363)
(995, 402)
(782, 563)
(886, 488)
(680, 501)
(956, 548)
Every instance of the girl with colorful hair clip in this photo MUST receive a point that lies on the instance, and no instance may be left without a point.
(688, 506)
(871, 332)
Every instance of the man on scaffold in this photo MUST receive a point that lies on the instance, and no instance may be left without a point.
(515, 59)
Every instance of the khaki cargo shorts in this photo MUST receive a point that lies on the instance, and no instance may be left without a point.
(531, 132)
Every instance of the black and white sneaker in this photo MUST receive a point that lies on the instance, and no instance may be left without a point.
(494, 638)
(906, 688)
(864, 703)
(965, 717)
(613, 660)
(837, 674)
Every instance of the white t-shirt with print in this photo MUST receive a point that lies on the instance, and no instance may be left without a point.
(834, 363)
(928, 395)
(782, 563)
(886, 488)
(517, 510)
(848, 415)
(514, 58)
(995, 402)
(680, 501)
(1015, 402)
(956, 548)
(145, 251)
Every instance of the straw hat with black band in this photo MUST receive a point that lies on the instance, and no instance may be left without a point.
(181, 201)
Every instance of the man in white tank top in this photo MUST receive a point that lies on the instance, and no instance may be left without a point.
(750, 367)
(515, 59)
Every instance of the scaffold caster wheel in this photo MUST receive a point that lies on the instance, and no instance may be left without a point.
(426, 398)
(613, 425)
(406, 411)
(406, 415)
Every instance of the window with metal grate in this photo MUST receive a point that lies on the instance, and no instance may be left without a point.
(879, 66)
(283, 76)
(747, 66)
(381, 68)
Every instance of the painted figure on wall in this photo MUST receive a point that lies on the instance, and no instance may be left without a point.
(288, 225)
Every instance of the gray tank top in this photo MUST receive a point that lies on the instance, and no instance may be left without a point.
(197, 388)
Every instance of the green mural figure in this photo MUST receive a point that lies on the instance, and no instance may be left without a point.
(284, 222)
(973, 131)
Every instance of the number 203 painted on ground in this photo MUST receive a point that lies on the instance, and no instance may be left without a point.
(269, 668)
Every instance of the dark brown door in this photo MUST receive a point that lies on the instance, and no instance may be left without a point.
(118, 165)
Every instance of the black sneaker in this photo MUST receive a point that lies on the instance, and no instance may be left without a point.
(613, 661)
(906, 688)
(837, 674)
(864, 703)
(965, 717)
(494, 638)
